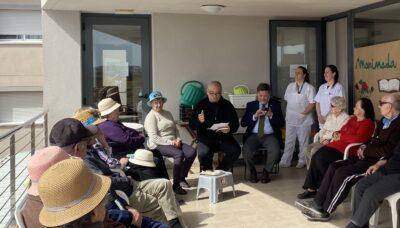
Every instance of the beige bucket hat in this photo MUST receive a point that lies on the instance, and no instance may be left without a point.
(69, 190)
(107, 106)
(143, 157)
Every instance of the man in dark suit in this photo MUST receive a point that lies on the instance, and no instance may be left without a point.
(263, 119)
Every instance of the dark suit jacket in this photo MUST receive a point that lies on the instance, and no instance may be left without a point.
(277, 121)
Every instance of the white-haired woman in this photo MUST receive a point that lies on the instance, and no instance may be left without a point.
(334, 122)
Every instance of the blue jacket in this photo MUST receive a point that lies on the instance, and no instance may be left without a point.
(277, 121)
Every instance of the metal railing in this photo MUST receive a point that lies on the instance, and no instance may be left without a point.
(16, 147)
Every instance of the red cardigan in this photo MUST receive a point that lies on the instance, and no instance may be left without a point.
(353, 132)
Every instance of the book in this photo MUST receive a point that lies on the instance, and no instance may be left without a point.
(389, 85)
(212, 173)
(219, 126)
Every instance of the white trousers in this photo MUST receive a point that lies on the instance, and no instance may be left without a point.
(301, 133)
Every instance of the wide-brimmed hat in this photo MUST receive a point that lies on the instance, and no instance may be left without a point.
(70, 131)
(69, 190)
(143, 157)
(107, 106)
(40, 162)
(155, 95)
(88, 116)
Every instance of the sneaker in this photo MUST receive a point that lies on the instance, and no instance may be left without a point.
(307, 194)
(184, 184)
(265, 177)
(311, 206)
(317, 218)
(282, 165)
(179, 190)
(300, 165)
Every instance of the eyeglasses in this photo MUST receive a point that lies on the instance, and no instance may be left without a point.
(381, 103)
(333, 106)
(214, 94)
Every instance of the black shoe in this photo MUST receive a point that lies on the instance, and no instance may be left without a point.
(265, 177)
(174, 223)
(253, 176)
(179, 190)
(306, 194)
(184, 184)
(311, 206)
(324, 217)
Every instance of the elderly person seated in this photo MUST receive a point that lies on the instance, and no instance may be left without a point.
(124, 140)
(382, 180)
(342, 175)
(164, 136)
(215, 110)
(154, 198)
(358, 129)
(263, 119)
(334, 121)
(37, 165)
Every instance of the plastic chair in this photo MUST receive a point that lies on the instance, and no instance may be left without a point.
(392, 199)
(215, 185)
(18, 210)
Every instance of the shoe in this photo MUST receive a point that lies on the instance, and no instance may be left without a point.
(313, 217)
(282, 165)
(311, 206)
(265, 177)
(179, 190)
(306, 194)
(300, 165)
(253, 176)
(184, 184)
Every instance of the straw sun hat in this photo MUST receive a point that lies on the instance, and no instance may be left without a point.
(88, 116)
(143, 157)
(69, 190)
(107, 106)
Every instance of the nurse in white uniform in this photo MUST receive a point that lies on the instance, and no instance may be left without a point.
(326, 91)
(300, 103)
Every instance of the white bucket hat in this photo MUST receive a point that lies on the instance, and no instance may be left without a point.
(143, 158)
(107, 106)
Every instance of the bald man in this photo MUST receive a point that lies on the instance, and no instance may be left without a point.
(209, 111)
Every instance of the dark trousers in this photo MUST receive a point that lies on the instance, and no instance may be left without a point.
(338, 180)
(254, 143)
(160, 165)
(206, 149)
(370, 192)
(183, 160)
(318, 166)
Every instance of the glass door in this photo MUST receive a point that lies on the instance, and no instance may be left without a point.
(294, 43)
(116, 60)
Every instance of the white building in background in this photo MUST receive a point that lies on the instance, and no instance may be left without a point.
(21, 61)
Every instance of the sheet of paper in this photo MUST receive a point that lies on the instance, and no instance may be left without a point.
(217, 126)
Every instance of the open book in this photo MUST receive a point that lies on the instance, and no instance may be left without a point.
(212, 173)
(219, 126)
(389, 85)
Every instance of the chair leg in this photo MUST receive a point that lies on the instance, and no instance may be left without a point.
(393, 208)
(373, 221)
(198, 192)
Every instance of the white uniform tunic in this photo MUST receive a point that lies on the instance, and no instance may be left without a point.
(297, 125)
(324, 96)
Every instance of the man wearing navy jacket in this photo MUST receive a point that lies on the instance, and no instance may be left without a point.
(263, 119)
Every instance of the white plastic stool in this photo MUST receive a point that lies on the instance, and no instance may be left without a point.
(392, 199)
(215, 185)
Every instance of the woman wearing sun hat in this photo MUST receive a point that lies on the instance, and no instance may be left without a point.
(122, 139)
(73, 196)
(164, 136)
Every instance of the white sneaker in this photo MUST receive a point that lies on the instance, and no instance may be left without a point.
(282, 165)
(300, 165)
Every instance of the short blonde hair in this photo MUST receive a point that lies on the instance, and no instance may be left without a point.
(339, 102)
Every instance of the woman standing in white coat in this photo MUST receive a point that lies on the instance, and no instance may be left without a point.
(300, 103)
(326, 91)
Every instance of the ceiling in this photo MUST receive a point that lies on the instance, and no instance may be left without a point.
(269, 8)
(390, 12)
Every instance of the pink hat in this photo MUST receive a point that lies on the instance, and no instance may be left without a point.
(40, 162)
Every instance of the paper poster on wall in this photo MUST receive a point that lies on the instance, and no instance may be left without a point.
(293, 68)
(377, 71)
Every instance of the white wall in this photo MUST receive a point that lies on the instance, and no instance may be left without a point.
(62, 63)
(231, 49)
(19, 106)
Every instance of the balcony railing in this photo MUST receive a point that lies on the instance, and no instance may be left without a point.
(16, 147)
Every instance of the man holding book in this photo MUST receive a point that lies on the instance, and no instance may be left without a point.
(215, 110)
(263, 119)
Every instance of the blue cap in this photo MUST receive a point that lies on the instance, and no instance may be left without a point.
(155, 95)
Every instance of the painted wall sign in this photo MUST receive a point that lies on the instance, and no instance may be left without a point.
(377, 71)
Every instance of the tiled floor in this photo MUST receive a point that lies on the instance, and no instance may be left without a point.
(260, 205)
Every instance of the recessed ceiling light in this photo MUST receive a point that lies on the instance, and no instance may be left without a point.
(212, 8)
(123, 11)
